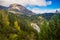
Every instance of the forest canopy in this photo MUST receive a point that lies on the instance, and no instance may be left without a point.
(18, 27)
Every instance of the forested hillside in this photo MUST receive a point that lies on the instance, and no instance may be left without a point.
(18, 27)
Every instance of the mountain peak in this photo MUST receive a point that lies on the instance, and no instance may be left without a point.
(16, 6)
(19, 8)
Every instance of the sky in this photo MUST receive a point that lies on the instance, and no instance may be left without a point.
(37, 6)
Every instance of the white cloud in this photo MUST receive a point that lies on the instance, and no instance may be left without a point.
(36, 10)
(25, 2)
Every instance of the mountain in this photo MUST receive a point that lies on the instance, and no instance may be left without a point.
(47, 15)
(3, 7)
(19, 9)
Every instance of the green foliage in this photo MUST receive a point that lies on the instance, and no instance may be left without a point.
(18, 27)
(54, 25)
(43, 35)
(50, 29)
(15, 27)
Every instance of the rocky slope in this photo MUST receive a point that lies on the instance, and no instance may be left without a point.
(19, 9)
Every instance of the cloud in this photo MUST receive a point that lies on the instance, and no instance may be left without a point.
(25, 2)
(36, 10)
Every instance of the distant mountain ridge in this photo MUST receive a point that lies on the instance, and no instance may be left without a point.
(46, 15)
(3, 7)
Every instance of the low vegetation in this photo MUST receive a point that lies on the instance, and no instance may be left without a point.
(18, 27)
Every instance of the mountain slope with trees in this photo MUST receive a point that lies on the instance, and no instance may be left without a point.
(18, 27)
